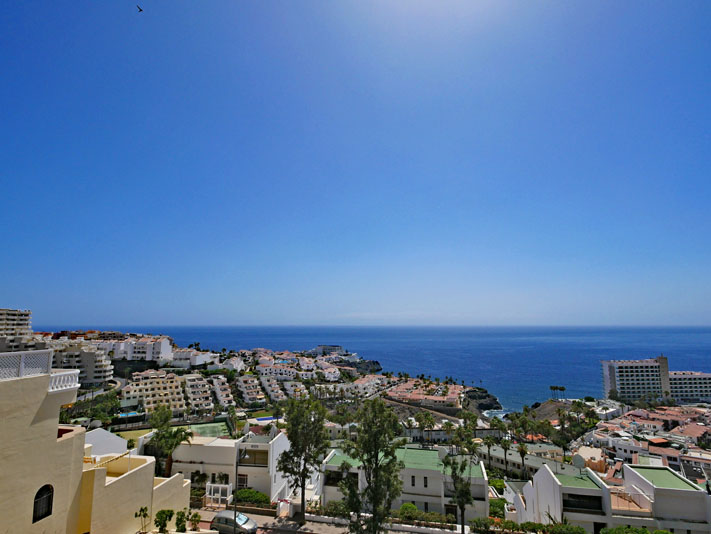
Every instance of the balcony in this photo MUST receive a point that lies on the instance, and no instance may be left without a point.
(26, 363)
(63, 380)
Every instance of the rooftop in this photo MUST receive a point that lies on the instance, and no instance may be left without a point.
(663, 477)
(579, 481)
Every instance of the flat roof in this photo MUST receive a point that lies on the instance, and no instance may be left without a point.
(662, 477)
(427, 459)
(579, 481)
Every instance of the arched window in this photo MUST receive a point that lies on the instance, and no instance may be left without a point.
(43, 503)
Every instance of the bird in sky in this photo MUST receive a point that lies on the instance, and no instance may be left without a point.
(139, 8)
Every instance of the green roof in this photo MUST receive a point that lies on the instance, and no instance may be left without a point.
(427, 459)
(580, 481)
(662, 477)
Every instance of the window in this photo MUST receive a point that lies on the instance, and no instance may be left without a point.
(427, 507)
(425, 485)
(43, 503)
(241, 481)
(412, 480)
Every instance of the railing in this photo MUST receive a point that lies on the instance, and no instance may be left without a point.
(25, 363)
(63, 380)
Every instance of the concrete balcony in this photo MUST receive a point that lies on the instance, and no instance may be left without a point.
(63, 380)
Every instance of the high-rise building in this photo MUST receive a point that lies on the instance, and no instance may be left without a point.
(15, 322)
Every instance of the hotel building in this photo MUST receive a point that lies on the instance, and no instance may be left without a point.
(637, 379)
(15, 322)
(152, 388)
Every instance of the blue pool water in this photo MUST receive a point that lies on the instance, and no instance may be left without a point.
(265, 418)
(129, 414)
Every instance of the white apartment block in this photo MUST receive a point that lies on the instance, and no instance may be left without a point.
(187, 358)
(52, 479)
(280, 372)
(153, 388)
(15, 322)
(273, 389)
(251, 391)
(231, 364)
(223, 392)
(653, 497)
(425, 482)
(216, 456)
(146, 348)
(197, 390)
(295, 390)
(94, 364)
(635, 379)
(306, 364)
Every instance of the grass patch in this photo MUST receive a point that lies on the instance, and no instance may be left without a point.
(133, 434)
(261, 413)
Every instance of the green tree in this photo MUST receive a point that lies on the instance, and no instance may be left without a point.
(162, 519)
(374, 447)
(457, 467)
(305, 426)
(522, 450)
(142, 514)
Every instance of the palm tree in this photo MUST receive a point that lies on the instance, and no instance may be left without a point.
(430, 423)
(506, 445)
(168, 440)
(489, 441)
(522, 451)
(420, 420)
(448, 428)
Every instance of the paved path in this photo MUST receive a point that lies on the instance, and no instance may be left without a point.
(271, 525)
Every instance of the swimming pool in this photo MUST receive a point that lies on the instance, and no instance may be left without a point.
(129, 414)
(270, 418)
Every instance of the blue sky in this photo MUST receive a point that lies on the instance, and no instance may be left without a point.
(363, 162)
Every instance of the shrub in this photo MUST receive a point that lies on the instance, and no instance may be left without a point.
(162, 519)
(498, 485)
(482, 525)
(661, 532)
(624, 530)
(497, 508)
(181, 520)
(195, 521)
(530, 526)
(336, 509)
(561, 528)
(251, 496)
(409, 511)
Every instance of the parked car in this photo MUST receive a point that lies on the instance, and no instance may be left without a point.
(224, 523)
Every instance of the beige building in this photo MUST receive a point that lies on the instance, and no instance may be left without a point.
(94, 364)
(152, 388)
(15, 322)
(50, 481)
(198, 392)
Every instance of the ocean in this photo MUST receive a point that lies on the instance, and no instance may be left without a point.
(516, 364)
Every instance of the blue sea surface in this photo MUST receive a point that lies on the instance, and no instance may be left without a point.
(516, 364)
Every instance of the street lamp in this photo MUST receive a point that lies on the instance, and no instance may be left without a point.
(241, 455)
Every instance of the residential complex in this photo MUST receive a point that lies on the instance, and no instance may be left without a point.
(52, 481)
(144, 348)
(222, 390)
(153, 388)
(15, 322)
(252, 393)
(198, 392)
(631, 380)
(94, 365)
(428, 394)
(425, 482)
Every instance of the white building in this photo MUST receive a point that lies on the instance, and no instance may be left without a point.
(216, 456)
(145, 348)
(273, 389)
(94, 365)
(295, 390)
(425, 482)
(152, 388)
(252, 393)
(223, 392)
(280, 372)
(198, 392)
(656, 498)
(187, 358)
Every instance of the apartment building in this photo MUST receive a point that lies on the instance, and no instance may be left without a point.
(15, 322)
(222, 390)
(152, 388)
(637, 379)
(198, 393)
(653, 497)
(273, 389)
(187, 358)
(252, 393)
(94, 365)
(295, 390)
(280, 372)
(216, 456)
(52, 482)
(145, 348)
(425, 482)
